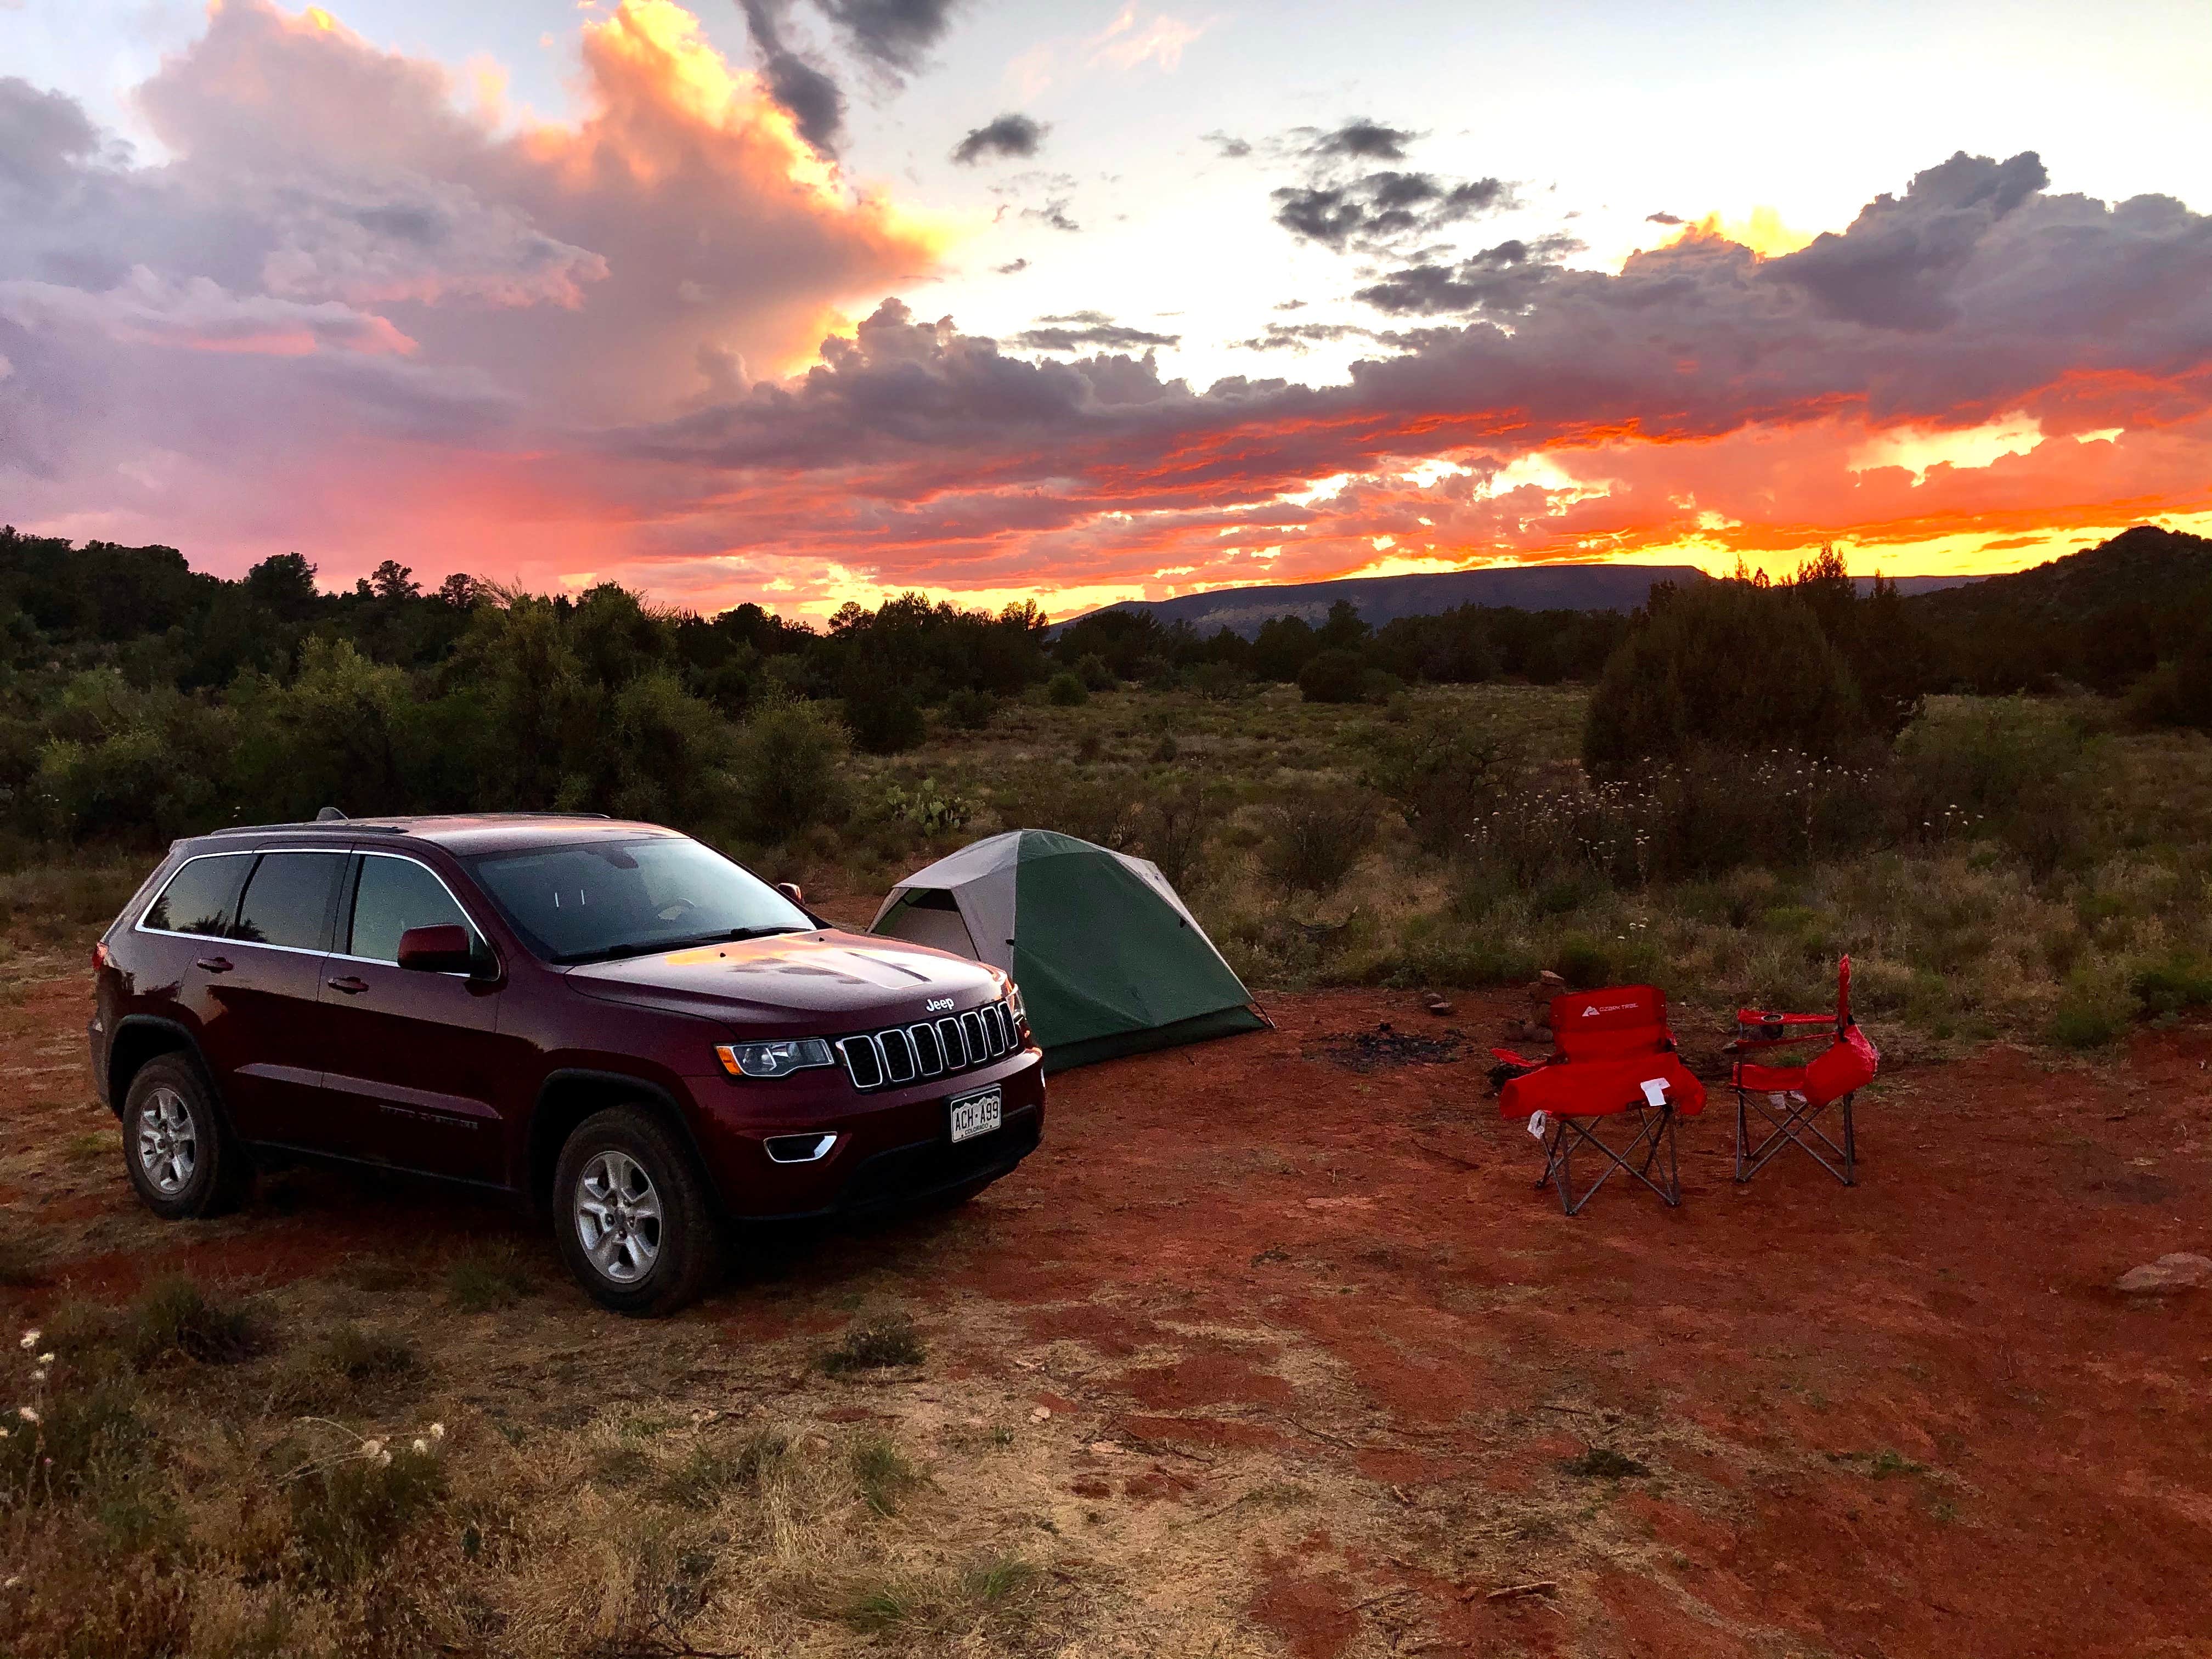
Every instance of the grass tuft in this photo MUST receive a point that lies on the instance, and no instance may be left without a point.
(884, 1474)
(175, 1316)
(883, 1344)
(489, 1277)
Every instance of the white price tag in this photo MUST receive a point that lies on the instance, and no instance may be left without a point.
(1655, 1090)
(1536, 1125)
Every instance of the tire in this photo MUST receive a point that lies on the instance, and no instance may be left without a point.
(632, 1214)
(177, 1147)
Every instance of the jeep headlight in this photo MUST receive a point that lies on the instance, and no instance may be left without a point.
(773, 1058)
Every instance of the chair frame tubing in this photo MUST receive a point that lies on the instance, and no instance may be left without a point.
(1654, 1132)
(1791, 1129)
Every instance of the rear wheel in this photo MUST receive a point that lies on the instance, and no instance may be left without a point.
(181, 1155)
(632, 1215)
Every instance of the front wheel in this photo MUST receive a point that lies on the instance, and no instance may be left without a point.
(632, 1215)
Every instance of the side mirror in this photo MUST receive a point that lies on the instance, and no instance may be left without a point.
(790, 890)
(442, 949)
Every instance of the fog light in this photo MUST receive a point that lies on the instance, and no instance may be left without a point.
(773, 1058)
(799, 1149)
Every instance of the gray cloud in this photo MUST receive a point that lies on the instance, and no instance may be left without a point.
(1376, 210)
(1012, 267)
(1077, 329)
(1304, 336)
(797, 82)
(1501, 281)
(1897, 263)
(1661, 219)
(1361, 141)
(1013, 134)
(891, 38)
(1053, 213)
(1229, 148)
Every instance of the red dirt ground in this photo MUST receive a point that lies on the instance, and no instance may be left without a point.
(1912, 1418)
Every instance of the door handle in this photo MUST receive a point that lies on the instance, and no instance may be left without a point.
(350, 985)
(214, 964)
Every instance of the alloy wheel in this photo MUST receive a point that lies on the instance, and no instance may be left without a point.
(168, 1142)
(619, 1217)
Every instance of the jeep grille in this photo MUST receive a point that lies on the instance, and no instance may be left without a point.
(930, 1049)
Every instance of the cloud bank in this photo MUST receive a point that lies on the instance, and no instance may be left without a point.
(352, 314)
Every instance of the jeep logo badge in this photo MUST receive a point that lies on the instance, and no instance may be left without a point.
(939, 1005)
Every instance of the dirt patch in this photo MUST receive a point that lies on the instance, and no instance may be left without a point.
(1258, 1358)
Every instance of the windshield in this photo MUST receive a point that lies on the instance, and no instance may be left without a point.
(628, 898)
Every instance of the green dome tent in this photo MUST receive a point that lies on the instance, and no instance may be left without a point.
(1109, 960)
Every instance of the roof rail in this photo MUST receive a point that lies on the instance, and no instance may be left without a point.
(344, 827)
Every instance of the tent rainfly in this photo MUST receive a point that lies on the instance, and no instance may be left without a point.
(1109, 960)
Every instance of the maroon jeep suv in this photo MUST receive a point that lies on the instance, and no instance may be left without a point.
(610, 1020)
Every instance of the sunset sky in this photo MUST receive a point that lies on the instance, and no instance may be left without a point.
(805, 300)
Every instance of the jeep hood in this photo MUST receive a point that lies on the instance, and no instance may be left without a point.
(825, 982)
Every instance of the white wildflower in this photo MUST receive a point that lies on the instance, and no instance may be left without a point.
(27, 1413)
(30, 1340)
(38, 1376)
(421, 1445)
(437, 1431)
(370, 1448)
(46, 1359)
(383, 1458)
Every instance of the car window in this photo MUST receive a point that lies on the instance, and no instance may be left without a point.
(393, 896)
(199, 897)
(287, 900)
(616, 898)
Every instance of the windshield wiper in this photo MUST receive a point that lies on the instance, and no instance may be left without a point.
(654, 947)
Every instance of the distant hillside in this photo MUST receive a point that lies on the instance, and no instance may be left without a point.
(1381, 600)
(2099, 618)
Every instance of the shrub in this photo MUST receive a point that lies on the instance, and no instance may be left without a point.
(1065, 690)
(175, 1316)
(885, 720)
(1723, 665)
(1221, 682)
(1316, 836)
(882, 1343)
(1444, 774)
(787, 769)
(2020, 774)
(2174, 984)
(84, 1430)
(1333, 676)
(925, 807)
(1179, 815)
(971, 710)
(2095, 1008)
(348, 1514)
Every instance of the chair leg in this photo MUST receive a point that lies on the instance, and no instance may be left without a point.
(1850, 1143)
(1742, 1134)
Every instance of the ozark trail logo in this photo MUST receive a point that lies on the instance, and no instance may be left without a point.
(939, 1005)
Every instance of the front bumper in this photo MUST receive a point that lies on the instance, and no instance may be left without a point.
(894, 1146)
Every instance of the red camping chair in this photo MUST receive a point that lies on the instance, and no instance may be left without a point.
(1791, 1099)
(1613, 1055)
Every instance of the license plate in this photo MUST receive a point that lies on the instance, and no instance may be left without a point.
(976, 1114)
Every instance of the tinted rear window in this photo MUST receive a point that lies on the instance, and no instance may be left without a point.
(199, 897)
(288, 901)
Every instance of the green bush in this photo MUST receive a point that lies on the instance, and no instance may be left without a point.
(1445, 773)
(1316, 836)
(175, 1316)
(971, 710)
(2173, 985)
(885, 720)
(2095, 1008)
(1065, 690)
(788, 765)
(347, 1516)
(1333, 676)
(1727, 665)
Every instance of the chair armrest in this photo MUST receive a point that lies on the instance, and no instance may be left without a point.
(1522, 1061)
